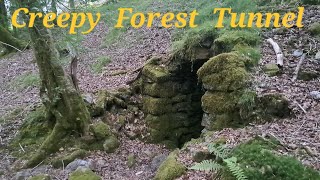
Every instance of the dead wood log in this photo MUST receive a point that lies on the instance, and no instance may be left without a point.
(296, 72)
(278, 52)
(73, 66)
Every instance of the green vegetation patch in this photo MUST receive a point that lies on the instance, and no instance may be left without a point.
(26, 80)
(259, 161)
(100, 64)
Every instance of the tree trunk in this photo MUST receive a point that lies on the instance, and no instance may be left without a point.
(58, 95)
(72, 4)
(54, 6)
(11, 43)
(3, 15)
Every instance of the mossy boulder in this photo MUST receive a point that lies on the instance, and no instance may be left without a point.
(271, 69)
(111, 144)
(65, 159)
(308, 75)
(219, 102)
(259, 160)
(314, 29)
(155, 71)
(170, 168)
(84, 174)
(229, 39)
(40, 177)
(100, 130)
(225, 72)
(108, 99)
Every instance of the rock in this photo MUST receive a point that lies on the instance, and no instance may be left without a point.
(170, 169)
(66, 159)
(22, 175)
(83, 173)
(298, 53)
(131, 160)
(315, 95)
(271, 69)
(100, 130)
(157, 161)
(317, 57)
(78, 163)
(111, 144)
(314, 29)
(199, 156)
(201, 53)
(308, 75)
(27, 173)
(40, 177)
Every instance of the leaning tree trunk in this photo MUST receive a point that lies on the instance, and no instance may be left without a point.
(3, 15)
(11, 43)
(72, 4)
(58, 95)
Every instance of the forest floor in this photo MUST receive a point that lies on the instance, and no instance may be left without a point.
(300, 134)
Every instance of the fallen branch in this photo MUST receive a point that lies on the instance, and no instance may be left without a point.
(296, 72)
(10, 46)
(278, 52)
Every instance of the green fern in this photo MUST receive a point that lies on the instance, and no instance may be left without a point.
(235, 168)
(207, 165)
(220, 151)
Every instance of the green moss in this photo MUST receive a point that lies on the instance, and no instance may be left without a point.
(258, 161)
(166, 90)
(311, 2)
(159, 106)
(225, 61)
(25, 80)
(84, 174)
(170, 168)
(66, 159)
(219, 102)
(253, 53)
(308, 75)
(111, 144)
(131, 160)
(188, 47)
(247, 104)
(226, 80)
(155, 71)
(40, 177)
(100, 130)
(271, 69)
(229, 39)
(101, 62)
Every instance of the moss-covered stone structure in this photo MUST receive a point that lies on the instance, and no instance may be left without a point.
(204, 83)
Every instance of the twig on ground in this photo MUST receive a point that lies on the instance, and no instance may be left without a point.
(296, 72)
(21, 148)
(301, 107)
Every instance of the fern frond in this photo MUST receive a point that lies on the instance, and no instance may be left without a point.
(235, 168)
(219, 150)
(206, 165)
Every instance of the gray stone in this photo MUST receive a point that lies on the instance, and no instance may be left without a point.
(315, 95)
(271, 69)
(78, 163)
(317, 57)
(157, 161)
(27, 173)
(298, 53)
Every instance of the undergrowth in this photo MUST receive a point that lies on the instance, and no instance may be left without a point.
(256, 159)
